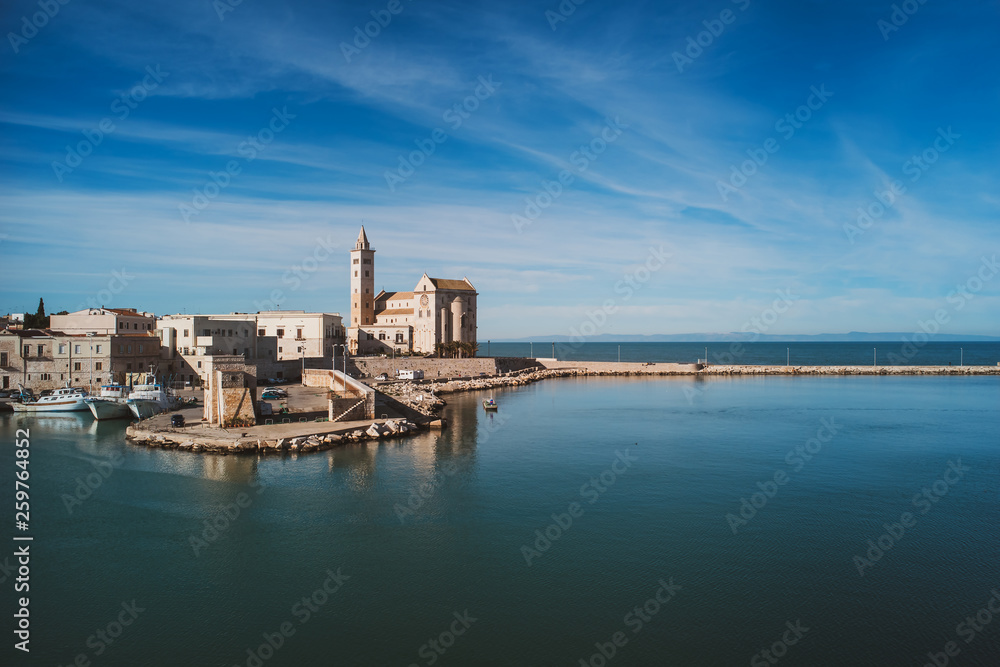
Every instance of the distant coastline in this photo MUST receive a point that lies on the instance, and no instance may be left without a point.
(851, 337)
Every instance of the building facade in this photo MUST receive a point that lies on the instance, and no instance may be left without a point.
(278, 342)
(437, 311)
(45, 359)
(103, 321)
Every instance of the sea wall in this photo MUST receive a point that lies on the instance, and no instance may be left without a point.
(620, 367)
(358, 390)
(267, 440)
(436, 368)
(632, 368)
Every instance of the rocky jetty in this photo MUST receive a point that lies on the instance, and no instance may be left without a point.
(220, 441)
(423, 396)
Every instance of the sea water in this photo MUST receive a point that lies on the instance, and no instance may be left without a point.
(619, 521)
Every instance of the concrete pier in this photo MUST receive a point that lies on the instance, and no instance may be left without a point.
(633, 368)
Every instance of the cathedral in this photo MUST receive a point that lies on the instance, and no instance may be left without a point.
(436, 311)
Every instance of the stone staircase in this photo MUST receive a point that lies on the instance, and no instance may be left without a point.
(348, 411)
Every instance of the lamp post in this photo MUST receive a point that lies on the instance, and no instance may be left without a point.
(531, 349)
(487, 348)
(788, 356)
(619, 354)
(961, 358)
(874, 357)
(89, 335)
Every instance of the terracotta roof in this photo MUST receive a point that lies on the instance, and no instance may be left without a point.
(393, 296)
(30, 333)
(443, 283)
(395, 311)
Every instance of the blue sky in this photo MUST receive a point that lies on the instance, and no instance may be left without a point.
(644, 109)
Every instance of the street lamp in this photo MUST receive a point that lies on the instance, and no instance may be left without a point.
(90, 336)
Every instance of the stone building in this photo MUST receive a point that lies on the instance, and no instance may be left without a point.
(299, 333)
(230, 391)
(46, 359)
(436, 311)
(103, 321)
(190, 341)
(279, 343)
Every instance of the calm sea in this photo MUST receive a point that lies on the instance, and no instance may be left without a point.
(888, 353)
(772, 514)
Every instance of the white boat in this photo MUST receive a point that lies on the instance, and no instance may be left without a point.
(67, 399)
(110, 403)
(151, 398)
(490, 404)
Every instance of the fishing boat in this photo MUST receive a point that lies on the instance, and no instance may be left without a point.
(110, 403)
(151, 398)
(490, 404)
(67, 399)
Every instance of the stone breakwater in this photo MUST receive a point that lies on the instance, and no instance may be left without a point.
(851, 370)
(424, 396)
(219, 441)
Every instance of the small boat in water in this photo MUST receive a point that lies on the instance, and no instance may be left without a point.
(490, 404)
(151, 398)
(110, 403)
(67, 399)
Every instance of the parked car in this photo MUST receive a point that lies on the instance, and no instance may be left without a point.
(271, 395)
(383, 376)
(4, 393)
(177, 420)
(276, 390)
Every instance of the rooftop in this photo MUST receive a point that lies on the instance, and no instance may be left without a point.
(444, 283)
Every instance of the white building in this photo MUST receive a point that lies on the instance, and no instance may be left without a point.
(104, 321)
(278, 342)
(299, 333)
(437, 311)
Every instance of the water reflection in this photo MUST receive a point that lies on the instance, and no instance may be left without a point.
(76, 422)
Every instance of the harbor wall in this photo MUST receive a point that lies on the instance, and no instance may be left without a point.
(632, 368)
(314, 377)
(434, 368)
(619, 367)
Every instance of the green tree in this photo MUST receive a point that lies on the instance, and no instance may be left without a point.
(37, 320)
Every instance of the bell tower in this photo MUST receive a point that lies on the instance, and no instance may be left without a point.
(362, 282)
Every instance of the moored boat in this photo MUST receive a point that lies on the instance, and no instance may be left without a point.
(151, 398)
(67, 399)
(110, 403)
(490, 404)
